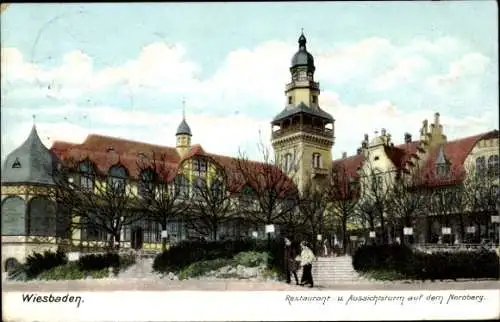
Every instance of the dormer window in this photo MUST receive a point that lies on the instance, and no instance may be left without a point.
(117, 177)
(376, 158)
(442, 170)
(16, 164)
(87, 175)
(442, 164)
(316, 160)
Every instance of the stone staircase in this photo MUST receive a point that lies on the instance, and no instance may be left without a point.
(143, 268)
(334, 270)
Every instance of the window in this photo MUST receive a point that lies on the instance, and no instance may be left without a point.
(92, 229)
(116, 180)
(146, 184)
(316, 160)
(493, 165)
(290, 100)
(302, 75)
(287, 162)
(87, 175)
(198, 187)
(16, 164)
(375, 158)
(314, 99)
(246, 196)
(480, 165)
(200, 167)
(442, 170)
(181, 186)
(217, 189)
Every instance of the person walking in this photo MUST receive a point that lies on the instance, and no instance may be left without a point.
(291, 265)
(306, 259)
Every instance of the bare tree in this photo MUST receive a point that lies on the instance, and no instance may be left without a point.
(313, 202)
(480, 190)
(405, 202)
(344, 193)
(95, 201)
(274, 192)
(211, 205)
(162, 192)
(374, 202)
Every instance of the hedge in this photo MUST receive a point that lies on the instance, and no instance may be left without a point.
(186, 253)
(37, 263)
(426, 266)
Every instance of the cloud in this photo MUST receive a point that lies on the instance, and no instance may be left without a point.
(467, 68)
(228, 108)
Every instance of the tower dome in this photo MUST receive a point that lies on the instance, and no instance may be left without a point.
(183, 128)
(302, 57)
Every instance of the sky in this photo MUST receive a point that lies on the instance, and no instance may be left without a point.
(124, 69)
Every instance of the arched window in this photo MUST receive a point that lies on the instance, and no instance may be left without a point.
(288, 162)
(87, 175)
(316, 160)
(493, 165)
(13, 217)
(480, 165)
(116, 179)
(42, 217)
(181, 186)
(146, 184)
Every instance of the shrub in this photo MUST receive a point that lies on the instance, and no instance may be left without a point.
(72, 271)
(37, 263)
(405, 263)
(185, 253)
(95, 262)
(251, 259)
(201, 268)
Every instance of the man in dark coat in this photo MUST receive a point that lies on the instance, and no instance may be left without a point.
(291, 265)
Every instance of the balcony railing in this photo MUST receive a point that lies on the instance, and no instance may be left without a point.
(319, 172)
(302, 83)
(308, 129)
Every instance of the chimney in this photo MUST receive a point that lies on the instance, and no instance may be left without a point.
(358, 151)
(407, 137)
(344, 155)
(384, 132)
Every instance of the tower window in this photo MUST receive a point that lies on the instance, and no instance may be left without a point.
(16, 164)
(290, 100)
(314, 99)
(288, 162)
(316, 160)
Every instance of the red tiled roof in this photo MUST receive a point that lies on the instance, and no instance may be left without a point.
(350, 164)
(97, 148)
(456, 152)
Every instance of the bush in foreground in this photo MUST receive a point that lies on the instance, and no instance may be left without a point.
(399, 261)
(187, 252)
(96, 262)
(246, 259)
(72, 271)
(37, 263)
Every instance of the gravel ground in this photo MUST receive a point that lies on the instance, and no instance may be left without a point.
(113, 284)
